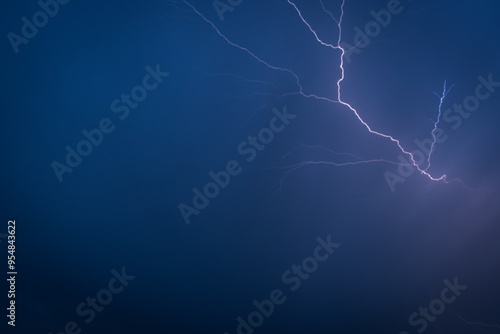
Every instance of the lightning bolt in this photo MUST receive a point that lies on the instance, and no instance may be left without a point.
(254, 56)
(441, 101)
(339, 94)
(358, 161)
(292, 168)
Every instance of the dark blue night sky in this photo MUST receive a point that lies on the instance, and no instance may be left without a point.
(163, 180)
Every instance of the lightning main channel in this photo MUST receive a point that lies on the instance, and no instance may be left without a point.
(339, 89)
(339, 95)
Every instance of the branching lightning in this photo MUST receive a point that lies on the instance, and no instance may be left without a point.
(423, 171)
(339, 95)
(441, 100)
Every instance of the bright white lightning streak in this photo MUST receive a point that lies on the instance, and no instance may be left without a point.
(441, 100)
(339, 95)
(339, 25)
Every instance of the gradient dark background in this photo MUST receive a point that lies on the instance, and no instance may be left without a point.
(119, 208)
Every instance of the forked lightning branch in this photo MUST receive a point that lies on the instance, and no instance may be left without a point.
(372, 28)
